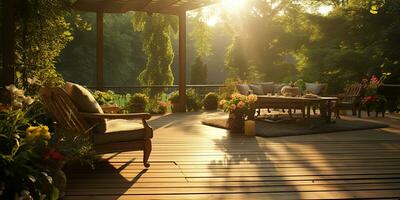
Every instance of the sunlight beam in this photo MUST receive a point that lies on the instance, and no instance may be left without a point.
(233, 5)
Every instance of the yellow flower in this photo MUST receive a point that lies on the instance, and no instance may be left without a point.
(44, 132)
(251, 98)
(33, 133)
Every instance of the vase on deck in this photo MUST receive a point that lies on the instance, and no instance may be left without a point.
(235, 123)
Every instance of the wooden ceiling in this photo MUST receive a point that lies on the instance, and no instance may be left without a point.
(172, 7)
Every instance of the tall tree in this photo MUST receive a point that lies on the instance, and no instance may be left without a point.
(202, 36)
(157, 31)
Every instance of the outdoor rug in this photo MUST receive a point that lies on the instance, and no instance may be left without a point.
(300, 127)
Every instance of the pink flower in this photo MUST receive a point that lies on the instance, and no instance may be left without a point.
(374, 79)
(240, 105)
(232, 107)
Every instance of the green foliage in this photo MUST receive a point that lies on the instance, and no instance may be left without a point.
(202, 35)
(123, 57)
(193, 101)
(42, 32)
(210, 101)
(237, 62)
(157, 30)
(32, 154)
(174, 97)
(360, 44)
(104, 98)
(157, 105)
(300, 83)
(199, 72)
(137, 103)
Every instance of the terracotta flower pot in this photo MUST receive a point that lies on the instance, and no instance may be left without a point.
(235, 123)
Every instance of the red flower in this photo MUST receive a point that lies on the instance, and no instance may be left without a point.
(370, 98)
(54, 154)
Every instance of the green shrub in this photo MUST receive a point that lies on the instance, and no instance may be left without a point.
(174, 97)
(157, 106)
(32, 154)
(210, 101)
(137, 103)
(104, 98)
(193, 102)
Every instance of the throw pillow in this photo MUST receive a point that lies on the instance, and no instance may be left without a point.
(257, 89)
(268, 87)
(243, 89)
(85, 102)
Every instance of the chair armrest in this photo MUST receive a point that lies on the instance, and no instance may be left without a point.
(143, 116)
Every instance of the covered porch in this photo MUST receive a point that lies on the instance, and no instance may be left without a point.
(169, 7)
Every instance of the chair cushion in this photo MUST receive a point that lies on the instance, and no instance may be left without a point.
(268, 87)
(85, 102)
(243, 89)
(121, 130)
(257, 89)
(315, 88)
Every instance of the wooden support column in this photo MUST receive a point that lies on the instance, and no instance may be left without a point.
(99, 52)
(182, 62)
(7, 73)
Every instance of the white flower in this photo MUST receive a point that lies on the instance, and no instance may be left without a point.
(28, 100)
(25, 195)
(17, 104)
(11, 88)
(19, 93)
(32, 80)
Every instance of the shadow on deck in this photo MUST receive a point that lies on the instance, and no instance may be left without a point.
(194, 161)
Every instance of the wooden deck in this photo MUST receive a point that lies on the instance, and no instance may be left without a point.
(193, 161)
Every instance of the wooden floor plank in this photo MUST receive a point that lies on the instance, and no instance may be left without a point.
(193, 161)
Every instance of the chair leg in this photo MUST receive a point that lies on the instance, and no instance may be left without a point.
(353, 112)
(146, 152)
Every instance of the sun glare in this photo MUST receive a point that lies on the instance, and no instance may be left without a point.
(325, 9)
(212, 20)
(233, 5)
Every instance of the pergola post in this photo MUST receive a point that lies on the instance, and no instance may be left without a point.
(99, 51)
(182, 62)
(7, 75)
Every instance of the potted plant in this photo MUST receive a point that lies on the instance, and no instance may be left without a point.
(240, 108)
(193, 102)
(104, 98)
(137, 103)
(174, 99)
(290, 90)
(162, 107)
(210, 101)
(372, 100)
(301, 85)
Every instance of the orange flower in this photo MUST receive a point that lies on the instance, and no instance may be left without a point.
(240, 105)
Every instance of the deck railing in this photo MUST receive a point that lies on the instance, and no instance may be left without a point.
(200, 89)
